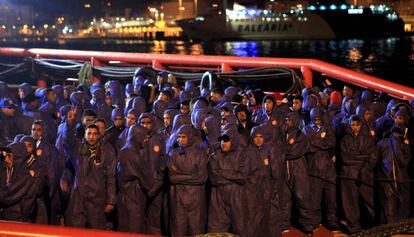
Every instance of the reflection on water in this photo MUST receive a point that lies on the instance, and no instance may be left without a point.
(388, 58)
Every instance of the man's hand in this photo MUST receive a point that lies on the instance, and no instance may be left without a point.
(108, 208)
(32, 173)
(64, 185)
(70, 119)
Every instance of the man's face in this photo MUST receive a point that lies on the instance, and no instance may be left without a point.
(87, 120)
(367, 115)
(355, 127)
(182, 140)
(224, 112)
(130, 120)
(167, 119)
(21, 94)
(37, 131)
(258, 140)
(92, 136)
(244, 101)
(8, 158)
(8, 111)
(118, 121)
(215, 97)
(146, 123)
(347, 91)
(288, 122)
(29, 147)
(241, 116)
(108, 100)
(268, 105)
(164, 97)
(102, 126)
(225, 146)
(399, 120)
(317, 121)
(324, 102)
(184, 109)
(297, 105)
(51, 96)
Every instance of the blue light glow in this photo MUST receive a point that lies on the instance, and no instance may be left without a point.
(311, 8)
(333, 7)
(343, 7)
(322, 8)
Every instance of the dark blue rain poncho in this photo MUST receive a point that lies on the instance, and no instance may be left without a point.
(187, 173)
(260, 115)
(191, 89)
(18, 191)
(212, 132)
(158, 109)
(95, 182)
(228, 175)
(368, 127)
(384, 123)
(49, 155)
(122, 138)
(102, 109)
(117, 93)
(15, 124)
(26, 89)
(392, 173)
(112, 133)
(179, 120)
(263, 171)
(78, 100)
(60, 97)
(321, 169)
(166, 131)
(132, 181)
(358, 160)
(296, 184)
(156, 157)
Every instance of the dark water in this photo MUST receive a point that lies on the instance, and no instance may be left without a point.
(388, 58)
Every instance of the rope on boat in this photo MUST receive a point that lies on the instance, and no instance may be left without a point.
(61, 69)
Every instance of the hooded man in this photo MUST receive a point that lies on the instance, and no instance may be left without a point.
(227, 169)
(296, 184)
(132, 181)
(358, 159)
(187, 173)
(48, 153)
(17, 180)
(394, 186)
(94, 189)
(321, 169)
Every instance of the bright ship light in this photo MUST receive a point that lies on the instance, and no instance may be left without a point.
(333, 7)
(343, 7)
(311, 8)
(322, 8)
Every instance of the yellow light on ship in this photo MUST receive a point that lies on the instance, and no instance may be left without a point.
(25, 26)
(45, 26)
(87, 5)
(3, 26)
(33, 27)
(53, 27)
(14, 27)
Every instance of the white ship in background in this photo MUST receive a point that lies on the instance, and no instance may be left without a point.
(314, 22)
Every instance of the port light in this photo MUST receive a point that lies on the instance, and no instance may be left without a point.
(333, 7)
(343, 7)
(322, 7)
(311, 8)
(355, 11)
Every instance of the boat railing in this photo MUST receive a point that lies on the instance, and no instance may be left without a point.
(223, 64)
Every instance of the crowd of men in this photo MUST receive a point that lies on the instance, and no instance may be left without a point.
(162, 158)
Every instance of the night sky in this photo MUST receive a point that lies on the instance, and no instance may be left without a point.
(75, 7)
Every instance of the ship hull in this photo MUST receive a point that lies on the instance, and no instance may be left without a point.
(310, 25)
